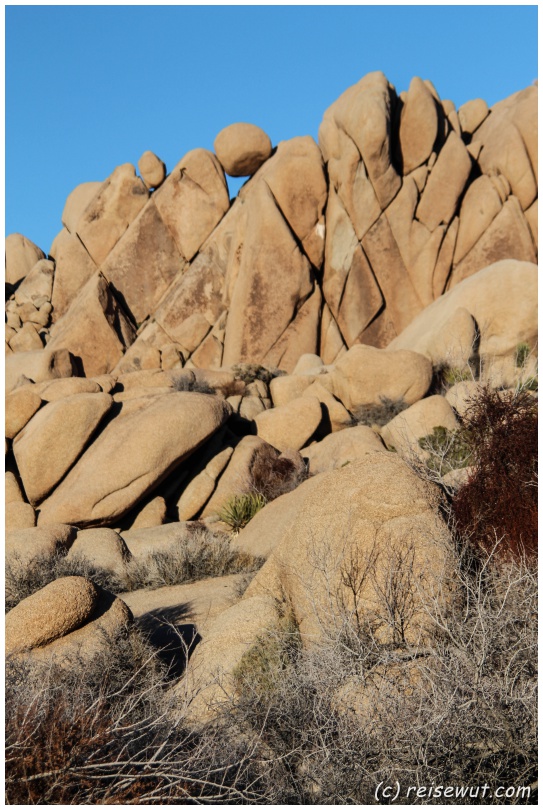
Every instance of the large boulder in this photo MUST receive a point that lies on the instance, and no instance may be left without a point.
(37, 286)
(54, 439)
(21, 405)
(242, 149)
(501, 299)
(73, 268)
(366, 375)
(374, 524)
(135, 452)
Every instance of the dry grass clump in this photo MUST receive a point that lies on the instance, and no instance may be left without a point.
(200, 556)
(378, 414)
(273, 475)
(249, 372)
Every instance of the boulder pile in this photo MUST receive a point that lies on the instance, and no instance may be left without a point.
(176, 348)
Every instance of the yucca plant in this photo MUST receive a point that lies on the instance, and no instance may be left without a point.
(240, 509)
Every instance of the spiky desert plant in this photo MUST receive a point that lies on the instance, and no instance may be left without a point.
(240, 509)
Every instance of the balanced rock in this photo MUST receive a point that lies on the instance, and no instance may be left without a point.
(152, 170)
(21, 256)
(242, 149)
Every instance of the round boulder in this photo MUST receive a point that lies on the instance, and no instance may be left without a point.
(50, 613)
(242, 149)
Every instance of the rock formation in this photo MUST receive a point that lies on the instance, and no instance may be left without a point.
(176, 348)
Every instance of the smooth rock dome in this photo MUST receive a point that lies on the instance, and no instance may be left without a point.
(242, 149)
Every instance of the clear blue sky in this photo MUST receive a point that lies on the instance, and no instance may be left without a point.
(90, 87)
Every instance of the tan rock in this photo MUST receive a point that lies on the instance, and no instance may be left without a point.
(309, 364)
(342, 448)
(242, 149)
(13, 492)
(461, 395)
(285, 388)
(152, 170)
(19, 516)
(192, 332)
(151, 514)
(37, 366)
(363, 112)
(210, 679)
(149, 378)
(405, 430)
(236, 477)
(67, 387)
(27, 339)
(111, 211)
(472, 114)
(103, 548)
(445, 185)
(345, 525)
(502, 300)
(365, 375)
(250, 407)
(77, 202)
(109, 619)
(52, 612)
(21, 405)
(73, 268)
(55, 438)
(200, 489)
(418, 126)
(532, 220)
(192, 200)
(95, 312)
(143, 263)
(25, 545)
(291, 426)
(38, 283)
(507, 237)
(480, 206)
(21, 257)
(140, 356)
(136, 451)
(143, 542)
(509, 138)
(263, 304)
(334, 412)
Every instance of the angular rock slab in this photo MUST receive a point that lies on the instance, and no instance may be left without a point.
(95, 329)
(137, 450)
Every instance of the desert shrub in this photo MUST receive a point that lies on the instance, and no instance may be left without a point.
(249, 372)
(200, 556)
(240, 509)
(448, 450)
(500, 497)
(378, 414)
(109, 733)
(24, 578)
(273, 475)
(182, 383)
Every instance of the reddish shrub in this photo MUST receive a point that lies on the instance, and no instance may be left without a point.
(499, 501)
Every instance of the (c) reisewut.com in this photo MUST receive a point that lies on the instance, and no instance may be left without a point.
(395, 792)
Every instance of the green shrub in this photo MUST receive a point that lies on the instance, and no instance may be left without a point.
(240, 509)
(448, 450)
(522, 352)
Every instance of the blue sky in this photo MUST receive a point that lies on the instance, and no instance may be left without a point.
(91, 87)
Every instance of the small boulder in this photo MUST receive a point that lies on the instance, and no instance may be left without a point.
(25, 545)
(104, 548)
(37, 366)
(342, 448)
(19, 516)
(62, 606)
(404, 431)
(21, 257)
(291, 426)
(242, 149)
